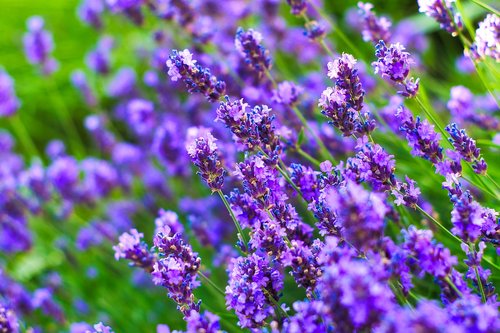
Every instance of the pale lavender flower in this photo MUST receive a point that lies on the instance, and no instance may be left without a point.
(79, 81)
(38, 45)
(444, 13)
(374, 28)
(90, 12)
(9, 103)
(487, 38)
(132, 248)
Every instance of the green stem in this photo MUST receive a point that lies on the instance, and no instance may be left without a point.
(236, 223)
(211, 283)
(478, 278)
(307, 156)
(487, 7)
(23, 135)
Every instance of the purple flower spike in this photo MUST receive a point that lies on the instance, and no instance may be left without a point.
(314, 30)
(182, 66)
(8, 100)
(374, 28)
(131, 247)
(298, 7)
(101, 328)
(467, 148)
(79, 81)
(310, 317)
(38, 45)
(177, 269)
(287, 93)
(393, 63)
(487, 37)
(343, 104)
(421, 136)
(443, 12)
(98, 60)
(8, 320)
(90, 12)
(252, 289)
(249, 45)
(206, 322)
(202, 149)
(406, 193)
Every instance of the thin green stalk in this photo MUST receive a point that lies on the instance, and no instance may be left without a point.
(23, 135)
(307, 156)
(453, 286)
(212, 284)
(486, 6)
(478, 278)
(236, 223)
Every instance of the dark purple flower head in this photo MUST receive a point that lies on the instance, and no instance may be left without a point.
(168, 219)
(314, 30)
(394, 63)
(443, 12)
(473, 261)
(9, 103)
(8, 320)
(253, 288)
(310, 317)
(372, 164)
(177, 269)
(100, 177)
(406, 193)
(487, 37)
(249, 45)
(202, 149)
(38, 45)
(79, 81)
(181, 65)
(467, 148)
(297, 7)
(355, 291)
(343, 103)
(360, 213)
(374, 28)
(268, 237)
(132, 248)
(90, 12)
(205, 322)
(430, 257)
(474, 316)
(131, 8)
(253, 127)
(421, 136)
(98, 60)
(303, 259)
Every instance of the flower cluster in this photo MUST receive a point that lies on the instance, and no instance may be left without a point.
(374, 28)
(487, 36)
(444, 13)
(249, 44)
(38, 46)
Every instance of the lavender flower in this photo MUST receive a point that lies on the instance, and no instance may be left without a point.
(463, 105)
(38, 45)
(202, 149)
(473, 261)
(310, 317)
(252, 289)
(141, 116)
(9, 103)
(206, 322)
(421, 136)
(487, 36)
(90, 12)
(99, 59)
(64, 174)
(314, 30)
(123, 84)
(443, 12)
(132, 248)
(306, 270)
(8, 320)
(131, 8)
(467, 148)
(249, 45)
(343, 103)
(360, 213)
(177, 269)
(393, 63)
(253, 127)
(374, 28)
(181, 65)
(287, 93)
(79, 80)
(406, 193)
(297, 7)
(101, 328)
